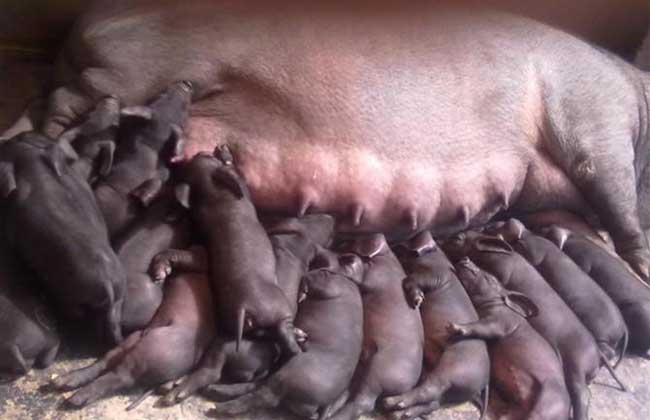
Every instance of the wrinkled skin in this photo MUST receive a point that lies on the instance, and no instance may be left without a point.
(295, 244)
(630, 294)
(162, 226)
(524, 368)
(242, 263)
(28, 334)
(585, 297)
(313, 127)
(167, 349)
(148, 138)
(578, 350)
(313, 382)
(391, 361)
(455, 370)
(94, 139)
(53, 223)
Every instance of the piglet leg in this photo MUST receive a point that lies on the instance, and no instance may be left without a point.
(191, 260)
(83, 376)
(289, 337)
(414, 294)
(208, 373)
(327, 411)
(487, 328)
(415, 411)
(46, 358)
(364, 398)
(17, 361)
(430, 391)
(104, 385)
(580, 395)
(263, 397)
(225, 392)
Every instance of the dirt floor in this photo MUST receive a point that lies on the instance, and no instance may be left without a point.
(27, 398)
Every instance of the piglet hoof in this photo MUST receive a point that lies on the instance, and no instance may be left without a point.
(392, 403)
(639, 261)
(416, 299)
(64, 382)
(300, 335)
(161, 268)
(456, 330)
(77, 401)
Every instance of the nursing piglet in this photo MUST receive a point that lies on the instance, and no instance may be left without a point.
(162, 226)
(628, 292)
(242, 264)
(581, 358)
(456, 370)
(312, 383)
(28, 334)
(295, 243)
(586, 299)
(525, 369)
(94, 139)
(167, 349)
(149, 136)
(391, 361)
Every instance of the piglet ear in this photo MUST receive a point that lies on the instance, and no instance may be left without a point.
(352, 267)
(227, 178)
(521, 304)
(182, 194)
(142, 113)
(422, 243)
(558, 235)
(493, 244)
(7, 179)
(223, 153)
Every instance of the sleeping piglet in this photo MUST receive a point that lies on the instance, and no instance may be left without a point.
(311, 383)
(53, 223)
(456, 370)
(241, 260)
(94, 139)
(391, 361)
(28, 334)
(585, 297)
(167, 349)
(163, 225)
(628, 291)
(580, 356)
(295, 244)
(524, 367)
(148, 137)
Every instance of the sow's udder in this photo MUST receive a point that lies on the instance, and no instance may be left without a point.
(374, 184)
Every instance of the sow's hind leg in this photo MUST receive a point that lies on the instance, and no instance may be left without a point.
(590, 135)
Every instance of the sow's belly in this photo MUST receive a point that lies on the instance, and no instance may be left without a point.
(395, 182)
